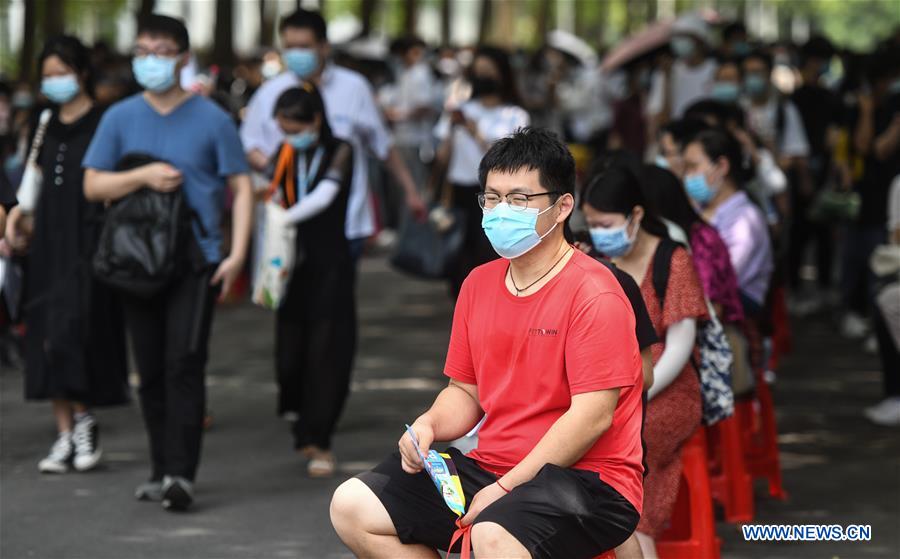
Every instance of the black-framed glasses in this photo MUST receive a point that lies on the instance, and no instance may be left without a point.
(516, 200)
(164, 52)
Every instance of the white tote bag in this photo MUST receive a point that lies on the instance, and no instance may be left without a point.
(277, 258)
(32, 180)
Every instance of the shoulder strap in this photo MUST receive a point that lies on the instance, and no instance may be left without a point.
(780, 121)
(284, 169)
(662, 266)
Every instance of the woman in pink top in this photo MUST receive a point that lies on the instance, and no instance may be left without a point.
(666, 195)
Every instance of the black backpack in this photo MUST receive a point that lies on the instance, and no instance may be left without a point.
(146, 238)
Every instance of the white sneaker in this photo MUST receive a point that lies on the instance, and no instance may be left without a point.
(57, 462)
(854, 326)
(870, 346)
(86, 440)
(886, 412)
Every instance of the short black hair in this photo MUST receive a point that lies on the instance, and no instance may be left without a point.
(763, 56)
(306, 19)
(74, 54)
(816, 47)
(533, 149)
(173, 28)
(733, 29)
(684, 130)
(302, 104)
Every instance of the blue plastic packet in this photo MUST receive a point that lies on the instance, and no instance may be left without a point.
(442, 471)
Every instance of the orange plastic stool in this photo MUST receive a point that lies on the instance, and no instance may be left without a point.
(731, 485)
(692, 534)
(760, 437)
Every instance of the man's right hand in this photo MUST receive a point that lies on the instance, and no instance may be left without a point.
(161, 177)
(409, 458)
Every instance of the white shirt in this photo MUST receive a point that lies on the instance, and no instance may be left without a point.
(415, 88)
(493, 123)
(763, 120)
(689, 84)
(353, 116)
(894, 206)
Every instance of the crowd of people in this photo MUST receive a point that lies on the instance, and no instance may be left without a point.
(709, 179)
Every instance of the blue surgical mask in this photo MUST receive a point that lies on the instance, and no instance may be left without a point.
(612, 242)
(662, 162)
(60, 89)
(512, 232)
(698, 189)
(683, 47)
(303, 140)
(725, 92)
(154, 73)
(755, 85)
(741, 48)
(302, 62)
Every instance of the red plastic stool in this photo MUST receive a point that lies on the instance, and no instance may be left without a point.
(692, 534)
(611, 554)
(731, 485)
(760, 437)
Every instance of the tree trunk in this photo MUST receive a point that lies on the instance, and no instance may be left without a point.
(146, 9)
(223, 52)
(53, 18)
(367, 9)
(544, 21)
(484, 25)
(410, 16)
(266, 25)
(445, 22)
(26, 55)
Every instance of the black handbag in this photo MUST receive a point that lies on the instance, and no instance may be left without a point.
(146, 237)
(430, 249)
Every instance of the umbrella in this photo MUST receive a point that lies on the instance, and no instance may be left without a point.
(645, 41)
(572, 45)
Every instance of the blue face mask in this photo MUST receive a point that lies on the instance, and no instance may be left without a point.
(741, 48)
(512, 232)
(661, 162)
(302, 62)
(725, 92)
(612, 242)
(755, 85)
(698, 189)
(154, 73)
(682, 47)
(60, 89)
(303, 140)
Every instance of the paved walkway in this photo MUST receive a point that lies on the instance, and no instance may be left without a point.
(254, 500)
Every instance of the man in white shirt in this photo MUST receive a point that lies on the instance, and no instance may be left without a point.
(411, 105)
(351, 110)
(691, 76)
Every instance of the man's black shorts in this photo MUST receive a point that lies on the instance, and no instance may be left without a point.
(562, 513)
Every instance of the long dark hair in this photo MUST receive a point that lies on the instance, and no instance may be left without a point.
(302, 104)
(500, 58)
(667, 198)
(615, 188)
(74, 55)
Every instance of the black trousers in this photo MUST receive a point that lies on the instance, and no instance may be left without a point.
(889, 354)
(170, 339)
(476, 249)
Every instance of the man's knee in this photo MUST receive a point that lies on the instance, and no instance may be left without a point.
(354, 507)
(492, 540)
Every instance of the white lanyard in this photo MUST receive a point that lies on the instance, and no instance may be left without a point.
(304, 175)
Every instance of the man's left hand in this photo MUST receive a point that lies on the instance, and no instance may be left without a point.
(482, 500)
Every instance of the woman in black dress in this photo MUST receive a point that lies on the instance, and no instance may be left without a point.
(316, 324)
(74, 345)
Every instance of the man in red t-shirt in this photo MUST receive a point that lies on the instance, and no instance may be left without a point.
(543, 347)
